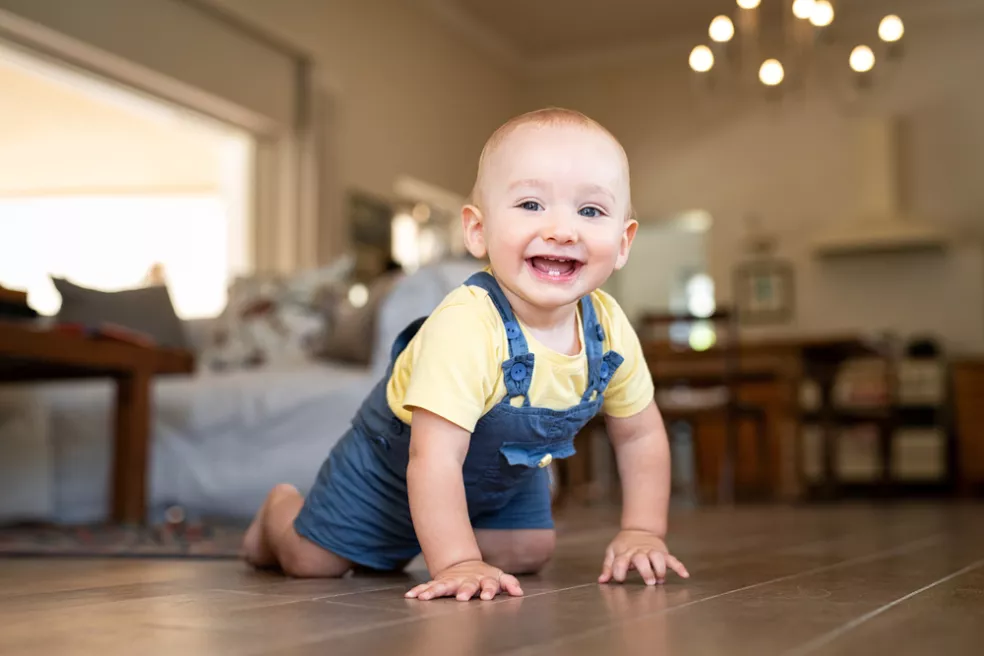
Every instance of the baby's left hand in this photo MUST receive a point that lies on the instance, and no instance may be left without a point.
(642, 551)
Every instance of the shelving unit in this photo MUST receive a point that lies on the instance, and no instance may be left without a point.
(897, 429)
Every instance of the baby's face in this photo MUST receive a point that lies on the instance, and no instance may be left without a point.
(554, 207)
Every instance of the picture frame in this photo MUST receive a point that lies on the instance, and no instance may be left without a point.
(370, 220)
(764, 291)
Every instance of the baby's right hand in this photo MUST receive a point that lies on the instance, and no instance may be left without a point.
(464, 580)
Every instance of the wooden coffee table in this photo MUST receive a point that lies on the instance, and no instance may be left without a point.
(30, 354)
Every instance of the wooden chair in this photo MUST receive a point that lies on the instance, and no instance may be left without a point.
(693, 382)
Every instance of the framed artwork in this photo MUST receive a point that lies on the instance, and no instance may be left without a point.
(370, 219)
(764, 291)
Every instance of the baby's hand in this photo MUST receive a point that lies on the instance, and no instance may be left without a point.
(640, 550)
(466, 579)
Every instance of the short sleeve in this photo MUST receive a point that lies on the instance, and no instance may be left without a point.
(453, 365)
(631, 388)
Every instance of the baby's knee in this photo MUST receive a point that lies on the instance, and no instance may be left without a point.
(305, 561)
(525, 553)
(533, 552)
(282, 491)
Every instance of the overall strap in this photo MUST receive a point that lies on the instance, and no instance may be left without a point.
(517, 342)
(518, 369)
(601, 365)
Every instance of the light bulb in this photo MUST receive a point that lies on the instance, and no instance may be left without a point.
(891, 29)
(358, 295)
(749, 4)
(802, 9)
(862, 59)
(701, 59)
(823, 13)
(771, 72)
(722, 29)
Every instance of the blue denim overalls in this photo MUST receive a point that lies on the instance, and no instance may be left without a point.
(358, 507)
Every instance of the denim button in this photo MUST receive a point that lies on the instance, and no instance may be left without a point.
(599, 332)
(512, 330)
(604, 371)
(518, 371)
(381, 441)
(396, 426)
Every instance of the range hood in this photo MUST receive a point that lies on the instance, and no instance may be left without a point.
(878, 223)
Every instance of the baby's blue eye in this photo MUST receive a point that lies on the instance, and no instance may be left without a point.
(530, 205)
(590, 212)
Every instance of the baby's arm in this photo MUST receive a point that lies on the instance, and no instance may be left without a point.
(643, 456)
(440, 514)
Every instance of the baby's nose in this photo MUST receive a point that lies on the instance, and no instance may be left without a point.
(560, 227)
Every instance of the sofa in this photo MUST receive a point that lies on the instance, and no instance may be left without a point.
(221, 438)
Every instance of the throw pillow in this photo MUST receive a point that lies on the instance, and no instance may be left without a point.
(276, 321)
(352, 332)
(146, 310)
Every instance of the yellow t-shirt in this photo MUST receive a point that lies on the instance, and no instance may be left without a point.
(453, 365)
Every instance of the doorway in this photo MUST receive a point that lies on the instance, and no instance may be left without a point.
(667, 271)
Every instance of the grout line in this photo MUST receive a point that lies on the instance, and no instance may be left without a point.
(830, 636)
(248, 593)
(508, 598)
(911, 546)
(355, 592)
(381, 609)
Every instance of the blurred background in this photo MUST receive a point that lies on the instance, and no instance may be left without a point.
(807, 279)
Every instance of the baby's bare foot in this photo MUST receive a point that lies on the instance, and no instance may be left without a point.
(255, 549)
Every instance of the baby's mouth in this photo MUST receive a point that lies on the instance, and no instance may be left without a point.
(555, 268)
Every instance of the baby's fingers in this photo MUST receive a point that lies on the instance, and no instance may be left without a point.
(658, 559)
(641, 562)
(606, 568)
(510, 584)
(446, 587)
(415, 591)
(677, 566)
(490, 588)
(467, 590)
(620, 568)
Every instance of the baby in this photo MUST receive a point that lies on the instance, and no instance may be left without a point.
(448, 454)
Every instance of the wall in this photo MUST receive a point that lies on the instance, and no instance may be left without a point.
(791, 165)
(410, 97)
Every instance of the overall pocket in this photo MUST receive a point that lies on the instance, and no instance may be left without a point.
(522, 456)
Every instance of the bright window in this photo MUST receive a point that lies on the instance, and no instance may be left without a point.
(110, 243)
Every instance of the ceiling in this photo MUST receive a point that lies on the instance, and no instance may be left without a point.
(540, 28)
(537, 31)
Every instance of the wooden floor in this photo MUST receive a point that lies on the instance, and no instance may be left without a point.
(835, 580)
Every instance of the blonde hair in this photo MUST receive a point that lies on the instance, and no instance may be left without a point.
(540, 117)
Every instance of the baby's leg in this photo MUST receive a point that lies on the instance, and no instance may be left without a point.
(516, 552)
(272, 541)
(519, 538)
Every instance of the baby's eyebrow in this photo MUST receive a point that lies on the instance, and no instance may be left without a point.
(528, 182)
(585, 188)
(599, 189)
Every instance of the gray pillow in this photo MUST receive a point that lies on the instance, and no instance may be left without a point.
(147, 310)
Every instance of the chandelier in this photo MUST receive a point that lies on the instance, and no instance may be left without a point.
(738, 45)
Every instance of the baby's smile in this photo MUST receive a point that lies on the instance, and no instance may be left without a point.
(554, 268)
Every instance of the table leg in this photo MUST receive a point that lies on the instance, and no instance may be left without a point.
(131, 446)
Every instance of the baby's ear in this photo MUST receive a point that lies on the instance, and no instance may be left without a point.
(628, 235)
(473, 227)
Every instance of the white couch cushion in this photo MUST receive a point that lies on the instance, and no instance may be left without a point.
(416, 296)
